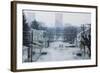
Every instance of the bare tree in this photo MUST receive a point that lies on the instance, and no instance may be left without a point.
(86, 39)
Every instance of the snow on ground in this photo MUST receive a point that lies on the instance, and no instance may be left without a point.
(58, 52)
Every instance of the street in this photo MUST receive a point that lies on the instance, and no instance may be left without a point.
(59, 51)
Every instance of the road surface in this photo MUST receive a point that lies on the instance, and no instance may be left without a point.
(60, 51)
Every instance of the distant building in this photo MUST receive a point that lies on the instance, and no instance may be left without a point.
(39, 38)
(58, 25)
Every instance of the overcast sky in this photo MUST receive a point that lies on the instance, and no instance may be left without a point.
(48, 18)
